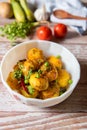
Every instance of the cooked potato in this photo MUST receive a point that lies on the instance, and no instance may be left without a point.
(52, 74)
(55, 61)
(36, 54)
(45, 67)
(28, 64)
(28, 95)
(43, 77)
(49, 70)
(52, 91)
(63, 78)
(12, 81)
(38, 83)
(19, 64)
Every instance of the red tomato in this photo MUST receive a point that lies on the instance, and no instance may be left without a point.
(60, 30)
(44, 33)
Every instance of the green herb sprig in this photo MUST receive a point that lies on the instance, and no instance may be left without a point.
(16, 30)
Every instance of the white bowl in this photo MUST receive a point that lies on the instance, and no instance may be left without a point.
(49, 48)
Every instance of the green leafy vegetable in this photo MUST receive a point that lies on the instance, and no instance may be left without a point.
(18, 74)
(16, 30)
(30, 73)
(20, 64)
(40, 71)
(62, 90)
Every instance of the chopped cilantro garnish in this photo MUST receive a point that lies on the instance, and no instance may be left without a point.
(18, 74)
(16, 30)
(40, 71)
(29, 73)
(26, 78)
(62, 90)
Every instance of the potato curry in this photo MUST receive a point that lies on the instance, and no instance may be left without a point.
(39, 76)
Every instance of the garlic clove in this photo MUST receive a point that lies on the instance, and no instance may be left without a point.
(41, 14)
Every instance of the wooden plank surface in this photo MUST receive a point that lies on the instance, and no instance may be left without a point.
(71, 114)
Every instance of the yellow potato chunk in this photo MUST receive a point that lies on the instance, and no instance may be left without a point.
(55, 61)
(63, 77)
(52, 74)
(45, 67)
(40, 83)
(52, 91)
(36, 54)
(49, 70)
(12, 81)
(33, 95)
(28, 64)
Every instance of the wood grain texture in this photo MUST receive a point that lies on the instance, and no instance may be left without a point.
(56, 121)
(71, 114)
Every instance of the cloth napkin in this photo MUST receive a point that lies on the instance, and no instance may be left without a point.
(74, 7)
